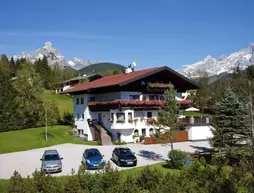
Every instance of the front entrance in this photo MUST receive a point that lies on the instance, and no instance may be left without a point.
(99, 118)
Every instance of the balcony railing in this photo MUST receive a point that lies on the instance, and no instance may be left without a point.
(113, 104)
(195, 121)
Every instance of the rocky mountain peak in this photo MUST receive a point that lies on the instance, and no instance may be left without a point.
(212, 66)
(54, 56)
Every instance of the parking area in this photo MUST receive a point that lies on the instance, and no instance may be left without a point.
(26, 162)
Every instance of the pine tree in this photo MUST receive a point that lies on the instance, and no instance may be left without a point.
(7, 97)
(231, 126)
(45, 73)
(13, 66)
(167, 114)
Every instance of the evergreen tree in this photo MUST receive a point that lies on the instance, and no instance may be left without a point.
(203, 95)
(29, 89)
(56, 76)
(4, 59)
(45, 73)
(231, 126)
(13, 66)
(167, 114)
(7, 97)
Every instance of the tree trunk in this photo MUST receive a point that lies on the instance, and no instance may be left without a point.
(171, 141)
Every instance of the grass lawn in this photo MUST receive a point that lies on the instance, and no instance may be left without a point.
(64, 102)
(195, 114)
(123, 173)
(26, 139)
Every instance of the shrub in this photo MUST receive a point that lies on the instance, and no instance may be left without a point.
(20, 185)
(177, 159)
(47, 183)
(149, 178)
(72, 184)
(68, 119)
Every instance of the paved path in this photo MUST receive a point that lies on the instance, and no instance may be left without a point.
(26, 162)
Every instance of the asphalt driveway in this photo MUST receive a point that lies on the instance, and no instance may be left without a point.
(26, 162)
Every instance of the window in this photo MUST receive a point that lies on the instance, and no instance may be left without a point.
(130, 117)
(92, 99)
(153, 97)
(82, 100)
(144, 132)
(83, 116)
(77, 101)
(151, 131)
(161, 98)
(120, 117)
(149, 114)
(112, 117)
(77, 116)
(134, 97)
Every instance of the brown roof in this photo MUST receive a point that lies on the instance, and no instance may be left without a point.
(119, 79)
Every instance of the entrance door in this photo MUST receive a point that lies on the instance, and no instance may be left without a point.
(99, 118)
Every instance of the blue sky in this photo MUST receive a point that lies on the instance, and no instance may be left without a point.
(157, 33)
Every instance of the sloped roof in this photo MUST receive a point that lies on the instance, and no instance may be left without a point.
(120, 79)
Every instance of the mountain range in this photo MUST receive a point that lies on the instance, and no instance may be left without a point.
(221, 65)
(213, 66)
(54, 56)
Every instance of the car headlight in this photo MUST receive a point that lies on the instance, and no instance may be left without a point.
(102, 161)
(44, 165)
(60, 165)
(122, 160)
(88, 161)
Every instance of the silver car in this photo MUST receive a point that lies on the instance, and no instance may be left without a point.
(51, 162)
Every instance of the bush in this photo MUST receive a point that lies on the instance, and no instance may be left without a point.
(177, 159)
(68, 119)
(20, 185)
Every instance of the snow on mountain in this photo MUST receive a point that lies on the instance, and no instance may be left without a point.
(213, 66)
(54, 56)
(78, 63)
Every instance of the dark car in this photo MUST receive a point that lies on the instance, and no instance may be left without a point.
(51, 162)
(93, 159)
(124, 157)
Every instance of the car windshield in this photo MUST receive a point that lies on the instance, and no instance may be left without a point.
(93, 154)
(51, 157)
(125, 152)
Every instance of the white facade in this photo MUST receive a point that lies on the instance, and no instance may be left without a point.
(199, 132)
(134, 121)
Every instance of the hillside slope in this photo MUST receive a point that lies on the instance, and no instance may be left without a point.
(103, 68)
(64, 102)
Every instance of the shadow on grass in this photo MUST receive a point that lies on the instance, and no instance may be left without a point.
(151, 155)
(166, 166)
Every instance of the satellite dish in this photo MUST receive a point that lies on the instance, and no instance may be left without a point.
(134, 62)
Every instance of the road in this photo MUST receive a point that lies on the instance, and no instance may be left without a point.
(25, 162)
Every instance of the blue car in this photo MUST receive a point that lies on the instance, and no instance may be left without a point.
(93, 159)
